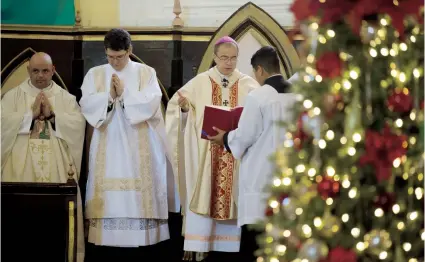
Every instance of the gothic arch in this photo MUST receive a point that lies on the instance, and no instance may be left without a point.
(15, 71)
(253, 20)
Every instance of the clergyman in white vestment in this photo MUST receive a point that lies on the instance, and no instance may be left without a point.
(207, 175)
(42, 134)
(126, 201)
(257, 137)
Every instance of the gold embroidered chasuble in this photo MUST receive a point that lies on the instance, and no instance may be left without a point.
(206, 173)
(43, 154)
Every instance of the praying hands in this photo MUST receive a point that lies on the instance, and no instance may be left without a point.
(117, 88)
(41, 108)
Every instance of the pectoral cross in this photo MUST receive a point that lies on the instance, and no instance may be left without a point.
(225, 103)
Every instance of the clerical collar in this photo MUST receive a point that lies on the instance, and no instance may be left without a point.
(279, 83)
(224, 78)
(47, 88)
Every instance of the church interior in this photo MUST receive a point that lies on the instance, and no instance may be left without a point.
(176, 38)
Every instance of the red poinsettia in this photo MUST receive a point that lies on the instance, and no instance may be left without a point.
(354, 11)
(397, 12)
(340, 254)
(382, 148)
(304, 9)
(400, 102)
(329, 65)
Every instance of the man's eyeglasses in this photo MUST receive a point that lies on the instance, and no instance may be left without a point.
(227, 59)
(119, 57)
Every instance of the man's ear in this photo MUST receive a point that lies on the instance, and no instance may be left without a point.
(53, 69)
(130, 50)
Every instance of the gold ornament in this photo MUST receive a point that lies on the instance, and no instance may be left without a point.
(330, 225)
(289, 205)
(304, 191)
(313, 250)
(368, 32)
(377, 241)
(353, 115)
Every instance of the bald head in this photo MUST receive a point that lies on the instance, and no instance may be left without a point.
(41, 70)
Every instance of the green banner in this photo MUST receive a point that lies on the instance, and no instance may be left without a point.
(38, 12)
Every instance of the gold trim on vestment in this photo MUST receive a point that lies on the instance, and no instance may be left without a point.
(211, 238)
(222, 164)
(71, 231)
(142, 184)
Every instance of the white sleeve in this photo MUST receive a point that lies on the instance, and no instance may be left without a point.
(249, 128)
(26, 124)
(94, 105)
(140, 106)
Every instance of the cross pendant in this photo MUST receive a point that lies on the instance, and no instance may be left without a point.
(225, 103)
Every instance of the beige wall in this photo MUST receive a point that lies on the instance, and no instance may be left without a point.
(159, 13)
(92, 16)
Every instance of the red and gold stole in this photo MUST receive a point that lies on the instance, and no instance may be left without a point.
(222, 163)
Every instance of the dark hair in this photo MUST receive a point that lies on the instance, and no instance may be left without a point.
(117, 39)
(267, 58)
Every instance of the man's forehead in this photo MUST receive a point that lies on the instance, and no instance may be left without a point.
(40, 66)
(113, 52)
(227, 52)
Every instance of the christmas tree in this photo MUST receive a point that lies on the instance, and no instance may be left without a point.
(349, 180)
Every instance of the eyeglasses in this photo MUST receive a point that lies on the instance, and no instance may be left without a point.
(227, 59)
(118, 58)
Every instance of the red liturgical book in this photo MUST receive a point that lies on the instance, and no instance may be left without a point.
(224, 118)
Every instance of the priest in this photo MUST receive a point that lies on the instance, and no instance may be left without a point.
(207, 174)
(42, 133)
(126, 200)
(257, 137)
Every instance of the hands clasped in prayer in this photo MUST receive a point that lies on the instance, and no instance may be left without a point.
(41, 108)
(117, 87)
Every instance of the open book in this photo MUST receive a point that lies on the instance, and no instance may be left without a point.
(222, 117)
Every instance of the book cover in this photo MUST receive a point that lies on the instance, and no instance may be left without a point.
(224, 118)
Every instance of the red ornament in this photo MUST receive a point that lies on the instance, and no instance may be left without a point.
(269, 211)
(328, 187)
(382, 148)
(384, 201)
(400, 101)
(282, 197)
(329, 65)
(300, 135)
(340, 254)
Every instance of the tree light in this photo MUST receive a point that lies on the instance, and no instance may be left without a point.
(330, 135)
(383, 255)
(355, 232)
(330, 33)
(353, 74)
(307, 104)
(360, 246)
(322, 143)
(396, 209)
(407, 246)
(357, 137)
(416, 73)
